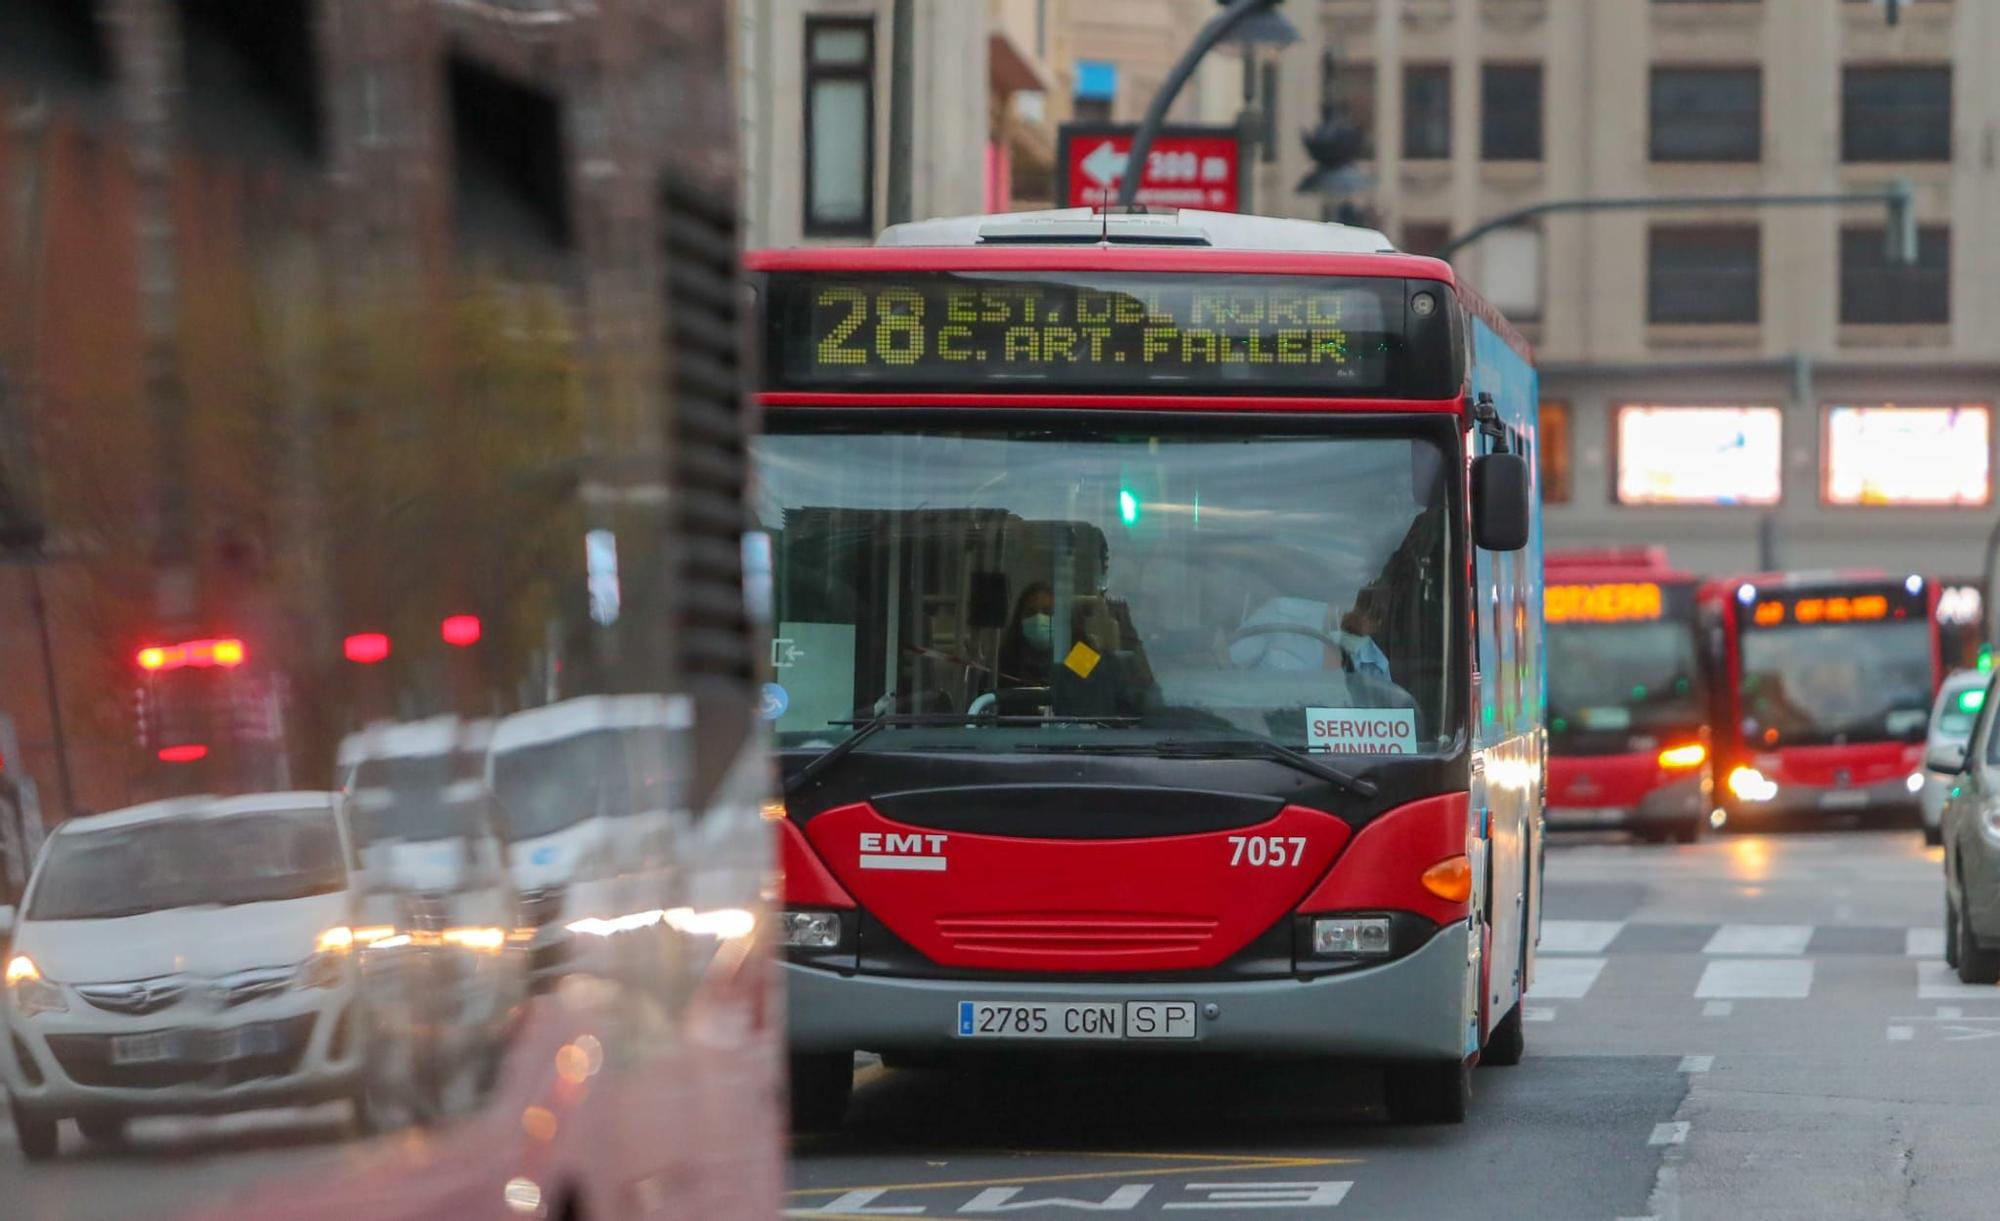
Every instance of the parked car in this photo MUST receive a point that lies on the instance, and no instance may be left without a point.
(184, 956)
(1952, 716)
(1971, 833)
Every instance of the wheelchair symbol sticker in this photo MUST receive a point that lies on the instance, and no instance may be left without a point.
(776, 700)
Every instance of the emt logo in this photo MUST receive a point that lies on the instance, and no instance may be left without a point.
(892, 850)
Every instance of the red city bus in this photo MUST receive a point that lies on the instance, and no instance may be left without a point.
(1627, 727)
(1134, 577)
(1821, 691)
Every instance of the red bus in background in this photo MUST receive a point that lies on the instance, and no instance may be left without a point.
(1822, 691)
(1627, 733)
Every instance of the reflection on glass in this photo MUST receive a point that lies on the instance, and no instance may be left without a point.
(1155, 584)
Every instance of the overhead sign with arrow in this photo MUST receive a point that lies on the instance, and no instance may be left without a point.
(1187, 167)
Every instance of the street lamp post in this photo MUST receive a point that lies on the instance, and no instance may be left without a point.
(1230, 20)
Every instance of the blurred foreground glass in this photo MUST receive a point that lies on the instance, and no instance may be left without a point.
(371, 460)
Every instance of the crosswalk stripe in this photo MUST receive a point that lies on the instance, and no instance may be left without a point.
(1765, 939)
(1578, 936)
(1756, 979)
(1565, 979)
(1923, 942)
(1938, 982)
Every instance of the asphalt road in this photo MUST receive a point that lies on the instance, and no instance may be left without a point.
(1755, 1026)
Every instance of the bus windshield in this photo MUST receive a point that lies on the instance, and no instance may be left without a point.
(1621, 679)
(1160, 583)
(1836, 683)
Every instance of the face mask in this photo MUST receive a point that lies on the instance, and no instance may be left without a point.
(1035, 630)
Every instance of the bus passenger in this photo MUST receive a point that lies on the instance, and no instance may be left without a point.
(1027, 641)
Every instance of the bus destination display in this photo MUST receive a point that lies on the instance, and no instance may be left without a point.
(1776, 609)
(1134, 332)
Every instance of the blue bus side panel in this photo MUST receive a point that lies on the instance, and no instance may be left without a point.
(1513, 689)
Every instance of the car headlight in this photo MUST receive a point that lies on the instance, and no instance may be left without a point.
(326, 969)
(1749, 784)
(32, 994)
(1915, 783)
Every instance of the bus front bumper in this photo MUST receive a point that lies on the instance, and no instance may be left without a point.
(1409, 1009)
(1679, 803)
(1800, 800)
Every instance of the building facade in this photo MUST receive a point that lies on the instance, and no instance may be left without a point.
(1794, 320)
(818, 108)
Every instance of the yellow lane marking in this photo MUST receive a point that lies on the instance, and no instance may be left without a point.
(1201, 1166)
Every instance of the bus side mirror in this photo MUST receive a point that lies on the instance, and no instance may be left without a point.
(1946, 757)
(1500, 502)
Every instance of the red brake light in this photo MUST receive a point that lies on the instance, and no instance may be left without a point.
(227, 653)
(460, 630)
(366, 648)
(153, 658)
(186, 753)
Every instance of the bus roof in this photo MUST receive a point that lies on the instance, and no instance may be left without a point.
(1819, 578)
(1602, 564)
(1166, 227)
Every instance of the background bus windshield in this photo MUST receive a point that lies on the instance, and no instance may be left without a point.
(1619, 679)
(1195, 582)
(1836, 683)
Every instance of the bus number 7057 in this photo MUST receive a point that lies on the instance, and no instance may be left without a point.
(1267, 850)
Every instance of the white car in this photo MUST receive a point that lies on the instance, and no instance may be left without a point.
(1952, 715)
(582, 787)
(185, 956)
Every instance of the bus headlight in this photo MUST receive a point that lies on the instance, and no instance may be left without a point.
(1352, 936)
(809, 930)
(1749, 784)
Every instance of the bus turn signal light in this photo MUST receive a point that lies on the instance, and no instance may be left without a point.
(1680, 758)
(1450, 879)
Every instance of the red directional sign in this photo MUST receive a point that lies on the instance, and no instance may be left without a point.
(1187, 167)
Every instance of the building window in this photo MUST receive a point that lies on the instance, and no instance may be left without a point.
(1425, 236)
(840, 127)
(1510, 112)
(1874, 291)
(1426, 112)
(1096, 91)
(1888, 454)
(1702, 274)
(1552, 458)
(1350, 89)
(1698, 455)
(1896, 114)
(1707, 114)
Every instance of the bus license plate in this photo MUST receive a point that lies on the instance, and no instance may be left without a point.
(1089, 1020)
(1843, 799)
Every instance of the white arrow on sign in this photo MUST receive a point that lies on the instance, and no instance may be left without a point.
(1105, 164)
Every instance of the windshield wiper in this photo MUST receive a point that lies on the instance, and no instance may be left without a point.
(1215, 748)
(861, 731)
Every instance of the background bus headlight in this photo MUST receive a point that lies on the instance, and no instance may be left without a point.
(1352, 936)
(1749, 784)
(809, 930)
